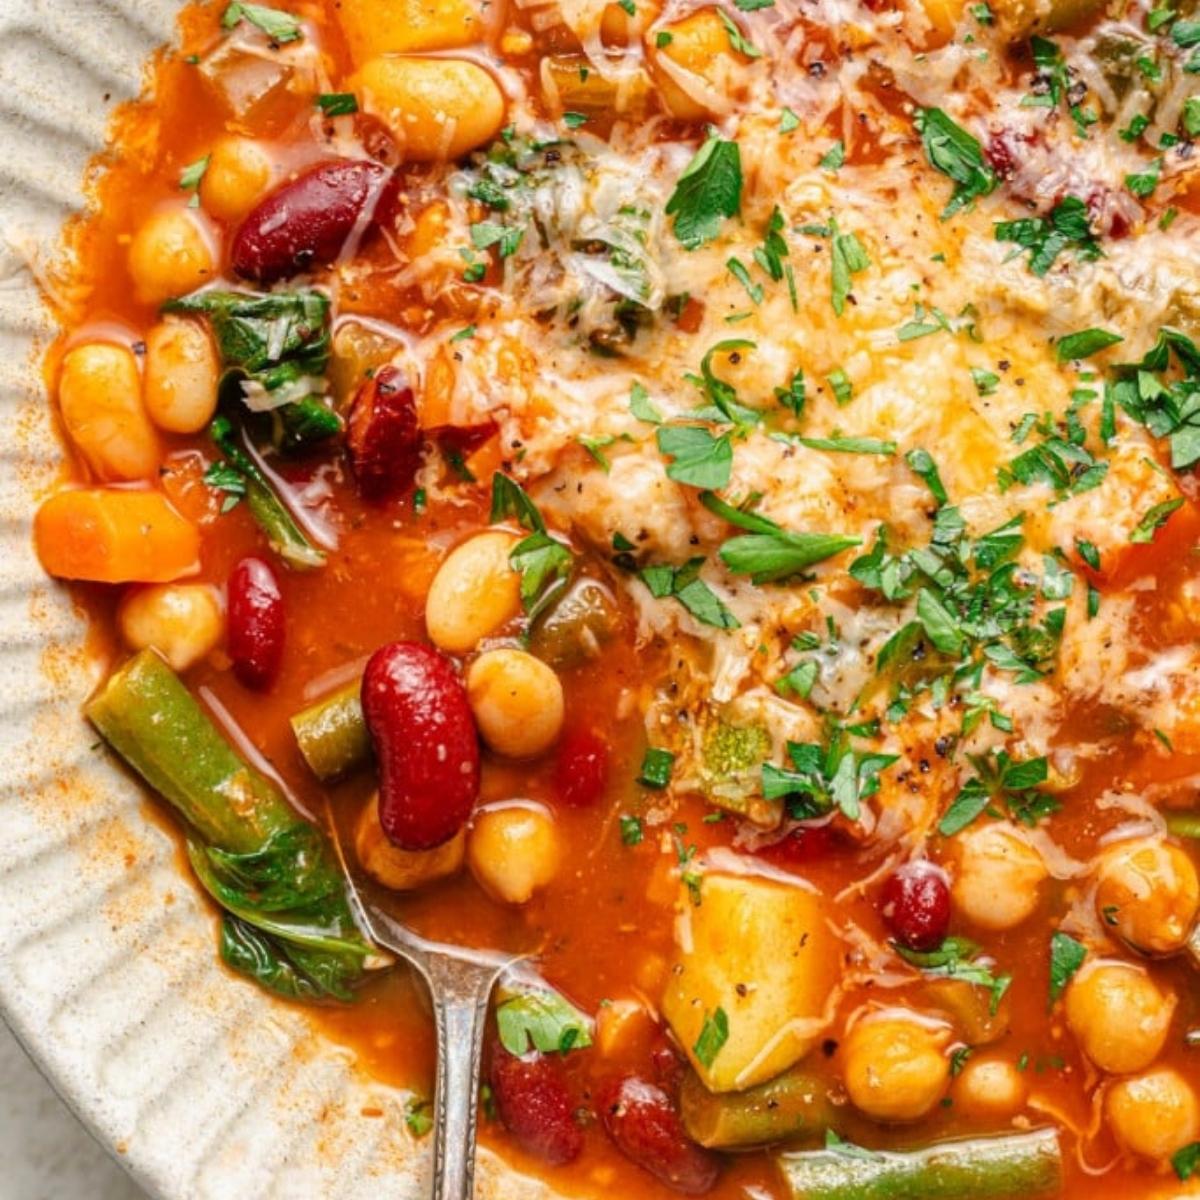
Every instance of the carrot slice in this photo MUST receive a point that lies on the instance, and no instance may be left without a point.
(115, 536)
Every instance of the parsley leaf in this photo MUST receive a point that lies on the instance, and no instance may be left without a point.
(656, 769)
(954, 152)
(713, 1035)
(279, 26)
(1186, 1160)
(1066, 957)
(700, 459)
(834, 157)
(1154, 520)
(1067, 228)
(737, 39)
(642, 407)
(631, 830)
(826, 777)
(542, 562)
(709, 190)
(768, 552)
(543, 1020)
(848, 258)
(956, 958)
(1085, 343)
(685, 585)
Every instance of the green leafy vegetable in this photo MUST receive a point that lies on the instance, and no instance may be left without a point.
(921, 463)
(957, 958)
(847, 259)
(834, 157)
(708, 191)
(1085, 343)
(1066, 228)
(768, 552)
(1154, 520)
(631, 830)
(280, 27)
(685, 585)
(543, 563)
(540, 1019)
(1000, 778)
(657, 765)
(1186, 1160)
(714, 1033)
(1066, 957)
(954, 152)
(337, 104)
(700, 459)
(642, 407)
(273, 346)
(284, 535)
(847, 445)
(824, 777)
(286, 920)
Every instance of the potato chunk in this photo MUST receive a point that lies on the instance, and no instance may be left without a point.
(758, 950)
(408, 26)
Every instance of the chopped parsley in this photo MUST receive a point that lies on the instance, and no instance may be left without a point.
(542, 562)
(708, 191)
(631, 830)
(1085, 343)
(685, 585)
(713, 1035)
(999, 777)
(642, 407)
(1066, 228)
(737, 39)
(279, 26)
(957, 958)
(337, 104)
(543, 1020)
(834, 157)
(958, 155)
(847, 259)
(699, 459)
(656, 768)
(1066, 957)
(767, 552)
(824, 777)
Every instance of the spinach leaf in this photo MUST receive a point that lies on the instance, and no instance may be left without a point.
(287, 921)
(273, 346)
(284, 535)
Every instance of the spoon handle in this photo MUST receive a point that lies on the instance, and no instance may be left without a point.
(460, 997)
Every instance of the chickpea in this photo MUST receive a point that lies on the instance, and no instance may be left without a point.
(182, 374)
(1119, 1015)
(169, 256)
(700, 46)
(183, 622)
(895, 1067)
(517, 701)
(438, 108)
(403, 870)
(238, 174)
(513, 851)
(474, 592)
(1154, 1114)
(991, 1087)
(100, 396)
(1149, 894)
(997, 885)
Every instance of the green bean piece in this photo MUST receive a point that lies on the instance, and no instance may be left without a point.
(152, 721)
(1005, 1165)
(286, 538)
(332, 734)
(790, 1105)
(1184, 824)
(286, 920)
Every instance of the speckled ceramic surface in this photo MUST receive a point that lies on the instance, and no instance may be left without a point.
(108, 972)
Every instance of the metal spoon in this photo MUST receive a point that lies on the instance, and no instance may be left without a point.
(460, 982)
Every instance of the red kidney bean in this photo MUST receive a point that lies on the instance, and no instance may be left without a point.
(256, 623)
(383, 435)
(644, 1126)
(425, 741)
(581, 770)
(916, 905)
(535, 1106)
(308, 222)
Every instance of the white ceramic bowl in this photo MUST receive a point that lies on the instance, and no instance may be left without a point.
(203, 1088)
